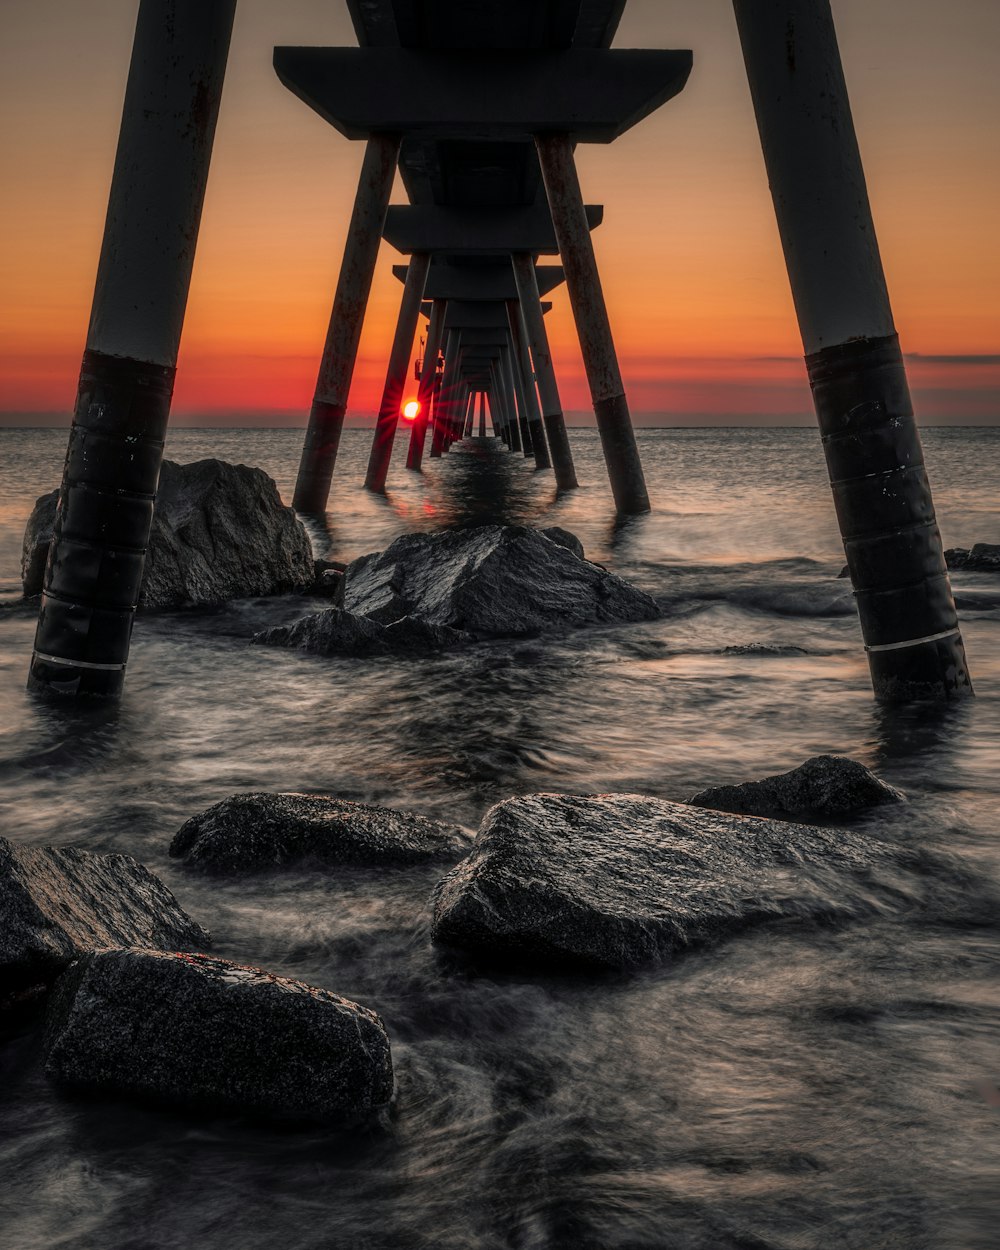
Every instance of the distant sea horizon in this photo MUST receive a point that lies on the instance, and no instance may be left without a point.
(270, 420)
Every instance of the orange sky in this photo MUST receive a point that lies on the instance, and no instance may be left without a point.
(688, 252)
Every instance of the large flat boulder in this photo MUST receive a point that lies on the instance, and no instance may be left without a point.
(621, 880)
(825, 787)
(220, 531)
(56, 903)
(256, 831)
(206, 1034)
(490, 581)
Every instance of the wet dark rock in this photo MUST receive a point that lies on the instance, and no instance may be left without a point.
(826, 787)
(249, 832)
(565, 539)
(980, 558)
(206, 1034)
(328, 578)
(491, 581)
(220, 531)
(620, 880)
(56, 903)
(339, 632)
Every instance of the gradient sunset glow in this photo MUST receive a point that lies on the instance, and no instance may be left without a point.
(689, 252)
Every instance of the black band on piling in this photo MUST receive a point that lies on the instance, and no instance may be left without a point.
(319, 455)
(102, 525)
(621, 454)
(886, 515)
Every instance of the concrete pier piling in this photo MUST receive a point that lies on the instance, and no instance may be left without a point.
(443, 412)
(523, 435)
(480, 97)
(853, 357)
(526, 377)
(583, 281)
(482, 414)
(425, 392)
(112, 467)
(329, 407)
(548, 391)
(397, 372)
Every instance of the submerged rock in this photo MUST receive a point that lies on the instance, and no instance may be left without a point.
(207, 1034)
(764, 648)
(338, 632)
(56, 903)
(824, 787)
(220, 531)
(491, 581)
(619, 880)
(248, 832)
(980, 558)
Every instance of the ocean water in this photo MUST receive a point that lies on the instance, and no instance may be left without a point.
(789, 1089)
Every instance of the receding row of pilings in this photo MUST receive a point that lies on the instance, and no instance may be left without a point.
(551, 100)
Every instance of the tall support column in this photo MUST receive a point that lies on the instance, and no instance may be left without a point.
(425, 391)
(501, 417)
(873, 452)
(513, 427)
(525, 374)
(459, 402)
(112, 467)
(445, 407)
(548, 392)
(523, 436)
(482, 414)
(583, 282)
(470, 413)
(397, 372)
(329, 406)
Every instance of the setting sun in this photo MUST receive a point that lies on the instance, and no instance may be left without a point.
(411, 409)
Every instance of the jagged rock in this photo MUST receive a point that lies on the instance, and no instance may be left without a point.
(220, 531)
(825, 787)
(490, 581)
(565, 539)
(211, 1035)
(56, 903)
(248, 832)
(619, 880)
(338, 632)
(980, 558)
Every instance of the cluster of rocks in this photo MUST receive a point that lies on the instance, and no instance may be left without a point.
(430, 592)
(611, 882)
(137, 1009)
(220, 532)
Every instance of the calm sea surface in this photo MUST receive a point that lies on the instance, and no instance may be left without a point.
(795, 1089)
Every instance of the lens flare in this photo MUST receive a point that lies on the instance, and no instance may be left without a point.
(411, 409)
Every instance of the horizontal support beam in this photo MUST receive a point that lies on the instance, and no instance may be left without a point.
(480, 282)
(476, 315)
(481, 231)
(592, 94)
